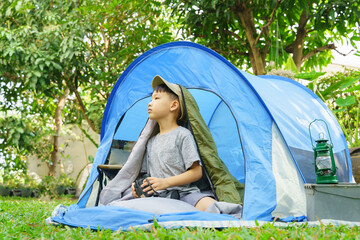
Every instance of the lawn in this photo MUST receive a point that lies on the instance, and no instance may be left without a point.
(24, 218)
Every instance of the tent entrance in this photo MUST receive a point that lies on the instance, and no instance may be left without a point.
(217, 116)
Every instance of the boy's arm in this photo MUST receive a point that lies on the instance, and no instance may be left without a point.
(193, 174)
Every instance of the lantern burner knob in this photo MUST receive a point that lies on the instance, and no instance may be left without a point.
(321, 140)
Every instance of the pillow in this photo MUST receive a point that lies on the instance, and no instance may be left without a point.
(156, 205)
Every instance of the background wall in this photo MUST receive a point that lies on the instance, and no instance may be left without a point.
(75, 152)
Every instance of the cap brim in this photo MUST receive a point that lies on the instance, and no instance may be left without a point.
(159, 80)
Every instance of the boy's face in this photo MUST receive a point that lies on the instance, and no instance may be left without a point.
(161, 105)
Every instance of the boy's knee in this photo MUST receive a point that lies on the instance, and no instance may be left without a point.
(204, 203)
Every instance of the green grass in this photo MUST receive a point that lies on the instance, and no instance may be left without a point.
(24, 218)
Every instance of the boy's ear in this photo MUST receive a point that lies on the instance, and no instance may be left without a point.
(174, 105)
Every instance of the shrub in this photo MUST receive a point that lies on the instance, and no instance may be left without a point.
(341, 93)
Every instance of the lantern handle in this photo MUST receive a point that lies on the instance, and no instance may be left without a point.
(331, 143)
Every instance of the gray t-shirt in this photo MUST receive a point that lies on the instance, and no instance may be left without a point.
(171, 154)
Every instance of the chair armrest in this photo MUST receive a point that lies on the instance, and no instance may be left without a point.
(110, 167)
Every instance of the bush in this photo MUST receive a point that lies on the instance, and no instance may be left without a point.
(52, 187)
(25, 186)
(341, 93)
(4, 190)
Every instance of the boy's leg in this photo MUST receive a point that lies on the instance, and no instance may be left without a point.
(200, 200)
(204, 203)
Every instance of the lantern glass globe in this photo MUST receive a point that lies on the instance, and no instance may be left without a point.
(323, 162)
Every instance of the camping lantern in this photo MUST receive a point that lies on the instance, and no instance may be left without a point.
(324, 162)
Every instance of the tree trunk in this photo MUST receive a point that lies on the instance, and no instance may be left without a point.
(247, 21)
(298, 46)
(58, 123)
(355, 162)
(71, 84)
(83, 110)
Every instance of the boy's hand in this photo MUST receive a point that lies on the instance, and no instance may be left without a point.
(157, 184)
(133, 190)
(193, 174)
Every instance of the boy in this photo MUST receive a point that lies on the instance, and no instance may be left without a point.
(172, 156)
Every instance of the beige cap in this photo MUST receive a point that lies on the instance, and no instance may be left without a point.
(174, 87)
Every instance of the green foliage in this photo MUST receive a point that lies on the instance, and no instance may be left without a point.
(216, 24)
(348, 101)
(85, 44)
(16, 141)
(26, 130)
(290, 65)
(310, 26)
(119, 32)
(309, 75)
(341, 93)
(26, 218)
(49, 186)
(41, 46)
(54, 187)
(49, 46)
(35, 48)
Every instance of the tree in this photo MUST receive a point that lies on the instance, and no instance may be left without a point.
(120, 32)
(69, 54)
(254, 32)
(38, 54)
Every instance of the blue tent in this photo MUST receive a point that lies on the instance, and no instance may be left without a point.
(259, 124)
